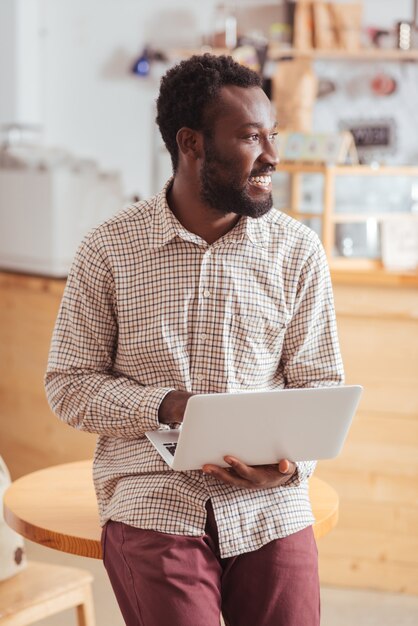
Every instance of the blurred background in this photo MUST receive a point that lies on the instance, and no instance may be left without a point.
(78, 142)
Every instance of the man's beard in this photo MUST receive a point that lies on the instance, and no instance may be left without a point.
(228, 197)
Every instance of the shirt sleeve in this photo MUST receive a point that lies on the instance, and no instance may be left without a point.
(81, 385)
(311, 354)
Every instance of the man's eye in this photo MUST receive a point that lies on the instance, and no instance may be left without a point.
(256, 137)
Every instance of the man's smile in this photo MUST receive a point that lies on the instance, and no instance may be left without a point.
(262, 182)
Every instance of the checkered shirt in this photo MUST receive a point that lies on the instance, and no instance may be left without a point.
(150, 307)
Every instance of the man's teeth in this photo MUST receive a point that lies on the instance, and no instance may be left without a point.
(263, 181)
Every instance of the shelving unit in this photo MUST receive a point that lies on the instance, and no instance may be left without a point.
(329, 216)
(364, 54)
(277, 52)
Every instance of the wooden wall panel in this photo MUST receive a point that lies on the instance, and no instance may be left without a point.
(376, 542)
(31, 437)
(367, 574)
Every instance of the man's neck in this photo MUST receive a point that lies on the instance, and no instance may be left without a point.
(184, 201)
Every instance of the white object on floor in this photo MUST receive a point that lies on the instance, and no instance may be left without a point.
(12, 549)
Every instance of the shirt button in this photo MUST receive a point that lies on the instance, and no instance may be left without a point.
(206, 293)
(199, 376)
(203, 336)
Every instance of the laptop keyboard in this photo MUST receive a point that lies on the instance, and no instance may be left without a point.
(171, 447)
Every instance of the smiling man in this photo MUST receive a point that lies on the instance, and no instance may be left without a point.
(204, 288)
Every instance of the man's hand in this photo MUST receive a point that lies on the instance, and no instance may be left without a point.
(172, 408)
(252, 477)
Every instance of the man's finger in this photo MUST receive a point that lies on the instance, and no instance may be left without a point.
(287, 467)
(284, 466)
(240, 468)
(226, 476)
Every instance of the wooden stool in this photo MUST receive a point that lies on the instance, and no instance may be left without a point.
(42, 590)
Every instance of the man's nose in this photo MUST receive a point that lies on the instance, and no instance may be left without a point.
(270, 153)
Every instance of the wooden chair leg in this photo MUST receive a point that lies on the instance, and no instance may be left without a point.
(85, 611)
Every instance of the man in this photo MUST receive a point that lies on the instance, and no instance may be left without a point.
(204, 288)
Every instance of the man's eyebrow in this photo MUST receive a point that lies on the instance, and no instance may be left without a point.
(256, 125)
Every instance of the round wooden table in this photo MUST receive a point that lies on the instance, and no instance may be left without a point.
(57, 508)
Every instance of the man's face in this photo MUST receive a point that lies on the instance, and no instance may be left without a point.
(240, 154)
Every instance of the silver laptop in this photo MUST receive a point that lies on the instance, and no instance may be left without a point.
(260, 427)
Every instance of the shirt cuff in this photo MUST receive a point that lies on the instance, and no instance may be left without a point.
(150, 405)
(304, 470)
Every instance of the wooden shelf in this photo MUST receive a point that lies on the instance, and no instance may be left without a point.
(348, 218)
(355, 264)
(276, 53)
(175, 54)
(355, 272)
(346, 170)
(330, 217)
(300, 215)
(365, 54)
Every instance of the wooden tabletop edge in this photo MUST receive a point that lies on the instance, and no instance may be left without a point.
(51, 539)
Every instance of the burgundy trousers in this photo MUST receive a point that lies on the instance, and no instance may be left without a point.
(171, 580)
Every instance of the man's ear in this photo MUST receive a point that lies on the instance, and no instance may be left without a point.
(190, 143)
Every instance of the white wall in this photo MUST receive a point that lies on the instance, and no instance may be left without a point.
(93, 105)
(82, 91)
(20, 71)
(384, 13)
(90, 103)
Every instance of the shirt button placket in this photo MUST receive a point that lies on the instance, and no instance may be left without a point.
(202, 334)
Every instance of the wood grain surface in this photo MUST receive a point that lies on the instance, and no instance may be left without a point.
(42, 590)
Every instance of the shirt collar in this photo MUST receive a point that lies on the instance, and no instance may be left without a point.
(165, 226)
(258, 230)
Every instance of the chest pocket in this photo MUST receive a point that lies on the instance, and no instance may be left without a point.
(254, 348)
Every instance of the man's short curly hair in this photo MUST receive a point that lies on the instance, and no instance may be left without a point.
(190, 89)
